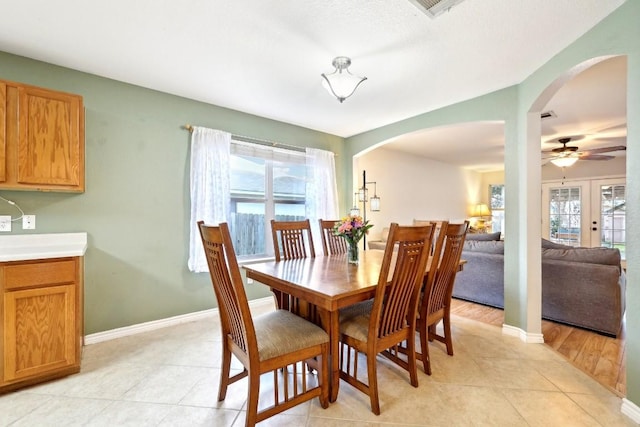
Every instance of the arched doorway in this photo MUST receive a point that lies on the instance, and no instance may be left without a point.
(588, 105)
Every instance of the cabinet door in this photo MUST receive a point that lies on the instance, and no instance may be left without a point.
(51, 143)
(39, 331)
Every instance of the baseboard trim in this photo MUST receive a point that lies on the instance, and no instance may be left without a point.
(630, 409)
(162, 323)
(529, 338)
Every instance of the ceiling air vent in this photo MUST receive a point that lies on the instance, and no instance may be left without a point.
(547, 115)
(433, 8)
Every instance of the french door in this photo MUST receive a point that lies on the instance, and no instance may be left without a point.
(585, 213)
(611, 211)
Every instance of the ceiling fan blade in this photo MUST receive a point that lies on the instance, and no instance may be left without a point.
(605, 150)
(596, 157)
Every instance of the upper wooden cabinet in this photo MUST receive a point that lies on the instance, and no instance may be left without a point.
(41, 139)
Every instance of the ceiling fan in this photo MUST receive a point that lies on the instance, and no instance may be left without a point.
(568, 155)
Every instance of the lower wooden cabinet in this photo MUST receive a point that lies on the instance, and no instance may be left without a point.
(41, 320)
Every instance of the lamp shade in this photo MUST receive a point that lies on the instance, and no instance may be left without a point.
(375, 204)
(565, 161)
(341, 83)
(480, 210)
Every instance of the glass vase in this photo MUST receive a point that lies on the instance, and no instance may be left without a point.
(353, 255)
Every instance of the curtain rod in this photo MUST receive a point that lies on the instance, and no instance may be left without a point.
(249, 139)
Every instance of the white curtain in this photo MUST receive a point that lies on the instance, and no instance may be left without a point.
(210, 187)
(321, 190)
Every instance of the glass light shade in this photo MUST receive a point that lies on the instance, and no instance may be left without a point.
(362, 194)
(563, 162)
(375, 204)
(341, 83)
(480, 210)
(354, 211)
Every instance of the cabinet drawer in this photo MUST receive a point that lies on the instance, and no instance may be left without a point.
(42, 273)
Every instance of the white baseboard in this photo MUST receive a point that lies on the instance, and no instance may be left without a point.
(631, 410)
(523, 335)
(162, 323)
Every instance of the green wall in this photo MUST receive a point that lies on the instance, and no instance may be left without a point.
(136, 205)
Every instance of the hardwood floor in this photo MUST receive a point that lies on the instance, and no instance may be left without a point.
(599, 356)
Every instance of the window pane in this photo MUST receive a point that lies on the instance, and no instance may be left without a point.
(290, 212)
(613, 220)
(289, 181)
(497, 221)
(247, 176)
(248, 228)
(497, 196)
(565, 215)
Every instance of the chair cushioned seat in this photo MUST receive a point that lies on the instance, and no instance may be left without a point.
(281, 332)
(354, 320)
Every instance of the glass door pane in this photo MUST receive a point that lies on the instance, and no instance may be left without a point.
(612, 216)
(565, 215)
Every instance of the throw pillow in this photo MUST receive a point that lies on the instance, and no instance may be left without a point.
(548, 244)
(483, 236)
(489, 247)
(385, 234)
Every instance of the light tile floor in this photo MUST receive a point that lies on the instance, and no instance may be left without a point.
(169, 377)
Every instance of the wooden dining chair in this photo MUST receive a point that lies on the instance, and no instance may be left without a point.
(278, 342)
(435, 305)
(373, 326)
(331, 244)
(292, 239)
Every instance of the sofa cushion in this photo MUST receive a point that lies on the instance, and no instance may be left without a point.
(489, 247)
(548, 244)
(385, 235)
(483, 236)
(606, 256)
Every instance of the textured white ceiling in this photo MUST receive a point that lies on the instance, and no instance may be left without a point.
(265, 57)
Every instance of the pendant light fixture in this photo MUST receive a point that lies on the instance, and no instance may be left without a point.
(341, 83)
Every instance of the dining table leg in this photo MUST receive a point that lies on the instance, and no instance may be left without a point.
(334, 337)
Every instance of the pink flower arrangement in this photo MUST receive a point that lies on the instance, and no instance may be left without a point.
(352, 227)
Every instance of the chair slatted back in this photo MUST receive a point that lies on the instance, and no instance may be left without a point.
(437, 232)
(442, 285)
(331, 244)
(235, 316)
(395, 302)
(292, 239)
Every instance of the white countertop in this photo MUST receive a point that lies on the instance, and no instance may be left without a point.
(19, 247)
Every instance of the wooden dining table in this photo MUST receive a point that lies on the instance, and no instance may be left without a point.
(328, 283)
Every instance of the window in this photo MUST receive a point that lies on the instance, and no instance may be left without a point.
(496, 196)
(266, 183)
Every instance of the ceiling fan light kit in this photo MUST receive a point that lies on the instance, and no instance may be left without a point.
(341, 83)
(564, 162)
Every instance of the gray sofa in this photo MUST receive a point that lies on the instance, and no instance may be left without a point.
(584, 287)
